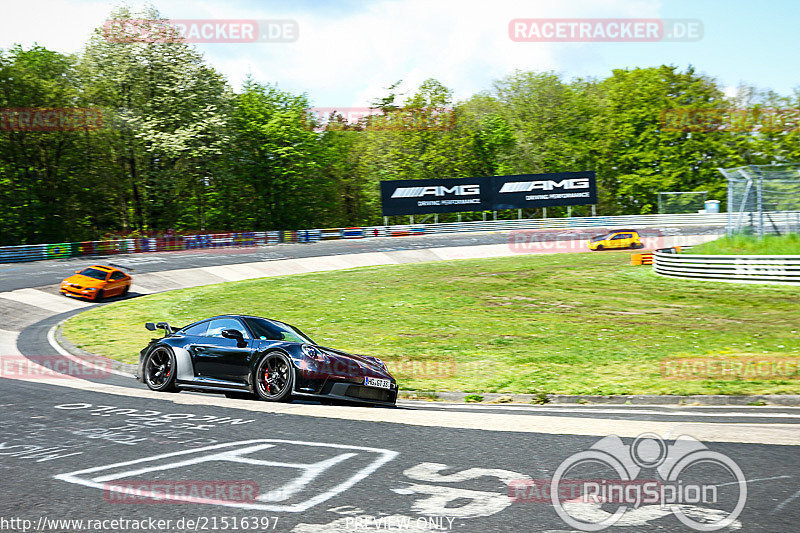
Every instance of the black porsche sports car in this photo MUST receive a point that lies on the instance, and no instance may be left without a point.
(252, 357)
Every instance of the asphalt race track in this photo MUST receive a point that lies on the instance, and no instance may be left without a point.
(40, 273)
(91, 450)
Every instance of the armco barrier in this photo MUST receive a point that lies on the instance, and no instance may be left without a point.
(352, 233)
(730, 268)
(331, 234)
(36, 252)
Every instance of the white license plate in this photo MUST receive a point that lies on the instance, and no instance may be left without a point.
(377, 382)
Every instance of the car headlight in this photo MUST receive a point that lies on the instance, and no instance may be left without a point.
(91, 288)
(313, 353)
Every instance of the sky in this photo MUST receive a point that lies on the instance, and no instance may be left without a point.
(348, 52)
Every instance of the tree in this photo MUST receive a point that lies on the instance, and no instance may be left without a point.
(171, 113)
(274, 156)
(637, 158)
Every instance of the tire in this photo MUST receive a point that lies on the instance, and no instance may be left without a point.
(125, 291)
(159, 370)
(273, 377)
(99, 296)
(600, 247)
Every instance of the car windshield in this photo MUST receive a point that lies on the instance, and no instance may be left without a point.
(275, 331)
(600, 237)
(93, 273)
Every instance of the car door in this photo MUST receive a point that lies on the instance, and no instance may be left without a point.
(216, 358)
(617, 241)
(116, 283)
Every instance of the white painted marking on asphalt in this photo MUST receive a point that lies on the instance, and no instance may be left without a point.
(51, 338)
(43, 300)
(591, 512)
(222, 456)
(781, 506)
(310, 473)
(481, 503)
(229, 451)
(430, 472)
(752, 480)
(8, 342)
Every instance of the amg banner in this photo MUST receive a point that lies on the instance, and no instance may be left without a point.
(543, 190)
(488, 193)
(412, 197)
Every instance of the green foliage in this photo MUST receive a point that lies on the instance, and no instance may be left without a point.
(180, 150)
(473, 398)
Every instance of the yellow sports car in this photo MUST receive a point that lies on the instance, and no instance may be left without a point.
(617, 239)
(96, 282)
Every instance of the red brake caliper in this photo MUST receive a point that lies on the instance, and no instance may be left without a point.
(266, 380)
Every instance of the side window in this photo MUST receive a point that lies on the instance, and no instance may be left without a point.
(617, 236)
(198, 330)
(117, 275)
(216, 326)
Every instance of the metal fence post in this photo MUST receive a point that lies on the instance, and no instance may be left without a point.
(760, 207)
(729, 227)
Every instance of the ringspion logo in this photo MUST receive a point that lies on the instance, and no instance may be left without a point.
(704, 489)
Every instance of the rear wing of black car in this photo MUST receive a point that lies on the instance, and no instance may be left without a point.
(151, 326)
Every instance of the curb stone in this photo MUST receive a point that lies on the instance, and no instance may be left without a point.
(80, 353)
(789, 400)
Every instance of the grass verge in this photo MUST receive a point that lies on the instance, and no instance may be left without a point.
(562, 323)
(750, 245)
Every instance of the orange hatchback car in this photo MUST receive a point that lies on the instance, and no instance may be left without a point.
(97, 282)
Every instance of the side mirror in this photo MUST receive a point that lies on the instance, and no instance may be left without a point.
(234, 334)
(77, 271)
(150, 326)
